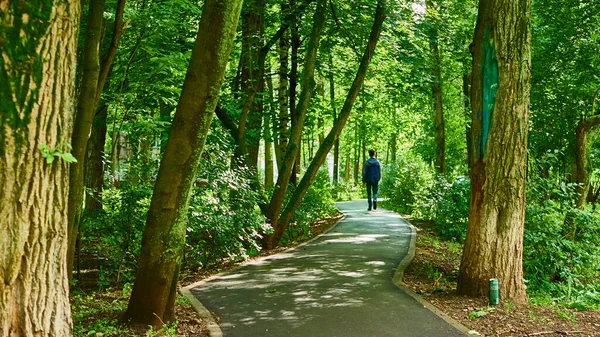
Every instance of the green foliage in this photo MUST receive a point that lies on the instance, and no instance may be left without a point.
(316, 204)
(561, 243)
(405, 182)
(224, 222)
(347, 190)
(111, 238)
(473, 314)
(62, 152)
(447, 205)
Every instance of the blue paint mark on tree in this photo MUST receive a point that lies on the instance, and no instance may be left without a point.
(489, 82)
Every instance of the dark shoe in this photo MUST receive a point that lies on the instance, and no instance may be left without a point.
(368, 209)
(374, 204)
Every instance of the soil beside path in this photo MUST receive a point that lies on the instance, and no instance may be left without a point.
(338, 285)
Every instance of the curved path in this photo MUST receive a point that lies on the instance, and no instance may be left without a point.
(339, 284)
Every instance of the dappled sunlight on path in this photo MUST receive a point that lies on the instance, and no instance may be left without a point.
(337, 285)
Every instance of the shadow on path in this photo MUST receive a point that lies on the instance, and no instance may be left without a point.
(337, 285)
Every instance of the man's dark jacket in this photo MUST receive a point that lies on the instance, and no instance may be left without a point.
(371, 171)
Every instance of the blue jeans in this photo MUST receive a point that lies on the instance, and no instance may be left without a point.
(372, 189)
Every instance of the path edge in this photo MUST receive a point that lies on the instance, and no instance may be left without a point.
(399, 275)
(214, 329)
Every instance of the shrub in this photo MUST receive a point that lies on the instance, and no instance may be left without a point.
(316, 204)
(405, 182)
(447, 205)
(224, 222)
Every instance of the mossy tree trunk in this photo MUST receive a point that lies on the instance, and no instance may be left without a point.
(86, 106)
(581, 162)
(338, 126)
(94, 161)
(293, 147)
(155, 289)
(94, 76)
(38, 41)
(500, 108)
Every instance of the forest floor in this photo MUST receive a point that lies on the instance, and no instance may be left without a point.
(98, 313)
(433, 274)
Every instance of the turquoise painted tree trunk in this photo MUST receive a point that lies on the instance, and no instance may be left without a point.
(500, 111)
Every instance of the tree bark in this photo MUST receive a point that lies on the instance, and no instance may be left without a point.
(581, 164)
(436, 90)
(86, 106)
(94, 162)
(154, 292)
(38, 42)
(336, 148)
(468, 133)
(293, 84)
(252, 74)
(500, 107)
(299, 116)
(284, 115)
(329, 141)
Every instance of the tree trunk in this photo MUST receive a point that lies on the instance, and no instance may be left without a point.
(252, 81)
(282, 89)
(436, 90)
(500, 108)
(581, 163)
(347, 168)
(293, 83)
(268, 132)
(328, 142)
(336, 148)
(468, 133)
(37, 72)
(86, 106)
(154, 292)
(293, 147)
(94, 162)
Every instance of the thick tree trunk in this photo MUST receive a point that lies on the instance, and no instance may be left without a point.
(37, 76)
(436, 90)
(500, 108)
(153, 296)
(86, 106)
(329, 141)
(293, 147)
(94, 162)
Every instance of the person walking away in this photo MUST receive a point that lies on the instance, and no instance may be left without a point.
(371, 177)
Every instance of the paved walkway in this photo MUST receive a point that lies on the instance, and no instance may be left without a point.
(337, 285)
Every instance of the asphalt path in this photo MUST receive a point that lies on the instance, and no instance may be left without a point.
(337, 285)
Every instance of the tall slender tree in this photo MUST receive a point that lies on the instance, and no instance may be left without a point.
(436, 88)
(500, 109)
(37, 76)
(155, 289)
(334, 133)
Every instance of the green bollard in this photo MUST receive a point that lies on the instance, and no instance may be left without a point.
(494, 292)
